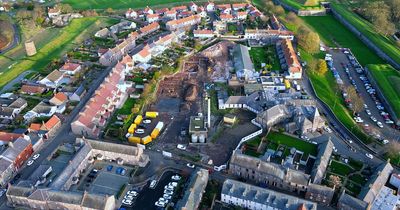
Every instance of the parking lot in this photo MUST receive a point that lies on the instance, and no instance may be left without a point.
(147, 196)
(369, 119)
(108, 179)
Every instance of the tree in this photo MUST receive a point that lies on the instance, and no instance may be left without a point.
(356, 100)
(334, 181)
(384, 26)
(109, 11)
(394, 6)
(293, 18)
(278, 10)
(322, 68)
(65, 8)
(308, 40)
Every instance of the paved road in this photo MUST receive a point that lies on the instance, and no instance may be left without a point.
(15, 40)
(64, 134)
(11, 84)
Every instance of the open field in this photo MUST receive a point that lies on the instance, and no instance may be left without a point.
(388, 80)
(302, 4)
(334, 34)
(385, 44)
(124, 4)
(74, 33)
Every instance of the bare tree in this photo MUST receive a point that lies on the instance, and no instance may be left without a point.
(335, 181)
(356, 100)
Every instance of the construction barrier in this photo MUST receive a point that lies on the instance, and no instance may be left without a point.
(146, 140)
(152, 114)
(138, 119)
(134, 139)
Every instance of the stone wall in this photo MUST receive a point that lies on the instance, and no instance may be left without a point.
(365, 40)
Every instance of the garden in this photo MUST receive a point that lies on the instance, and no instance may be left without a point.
(266, 55)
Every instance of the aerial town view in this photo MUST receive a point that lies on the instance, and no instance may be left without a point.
(200, 105)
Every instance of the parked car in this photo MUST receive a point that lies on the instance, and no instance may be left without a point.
(190, 165)
(30, 162)
(176, 177)
(181, 147)
(379, 124)
(160, 204)
(109, 168)
(370, 156)
(168, 187)
(167, 197)
(147, 121)
(127, 202)
(168, 192)
(133, 193)
(36, 156)
(153, 184)
(139, 131)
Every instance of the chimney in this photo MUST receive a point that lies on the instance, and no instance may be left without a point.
(10, 144)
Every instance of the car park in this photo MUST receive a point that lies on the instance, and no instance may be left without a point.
(370, 156)
(30, 162)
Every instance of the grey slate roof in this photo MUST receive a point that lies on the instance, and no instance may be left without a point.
(324, 153)
(192, 196)
(352, 202)
(111, 147)
(375, 182)
(264, 196)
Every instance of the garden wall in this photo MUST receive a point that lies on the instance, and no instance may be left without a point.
(365, 40)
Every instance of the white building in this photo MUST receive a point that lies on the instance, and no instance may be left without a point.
(252, 197)
(395, 180)
(386, 200)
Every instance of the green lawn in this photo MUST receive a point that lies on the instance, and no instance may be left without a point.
(290, 141)
(67, 37)
(384, 43)
(265, 55)
(388, 80)
(125, 4)
(302, 4)
(340, 168)
(357, 178)
(334, 34)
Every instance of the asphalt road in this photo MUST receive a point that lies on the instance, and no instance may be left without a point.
(64, 134)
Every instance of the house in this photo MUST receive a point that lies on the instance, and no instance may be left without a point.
(122, 26)
(186, 22)
(180, 8)
(6, 137)
(13, 109)
(242, 63)
(203, 33)
(196, 187)
(323, 157)
(7, 113)
(149, 29)
(185, 14)
(77, 94)
(226, 17)
(193, 7)
(59, 99)
(53, 12)
(148, 10)
(7, 170)
(131, 14)
(161, 11)
(32, 89)
(224, 8)
(269, 35)
(375, 182)
(71, 68)
(51, 126)
(320, 194)
(241, 15)
(18, 152)
(291, 62)
(152, 18)
(253, 197)
(239, 6)
(170, 15)
(102, 33)
(219, 26)
(210, 6)
(111, 94)
(276, 25)
(43, 110)
(54, 79)
(202, 12)
(348, 202)
(143, 56)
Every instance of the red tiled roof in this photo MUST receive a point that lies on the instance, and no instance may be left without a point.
(242, 13)
(152, 16)
(179, 8)
(70, 66)
(223, 6)
(54, 10)
(61, 97)
(149, 27)
(53, 121)
(32, 89)
(35, 126)
(290, 56)
(226, 16)
(203, 31)
(5, 136)
(144, 52)
(183, 20)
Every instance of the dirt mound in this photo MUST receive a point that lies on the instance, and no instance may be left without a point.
(191, 93)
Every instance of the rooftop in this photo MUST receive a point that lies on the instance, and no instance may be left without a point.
(197, 124)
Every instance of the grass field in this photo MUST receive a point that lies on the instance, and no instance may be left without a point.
(265, 55)
(124, 4)
(334, 34)
(290, 141)
(385, 44)
(67, 37)
(388, 80)
(340, 168)
(302, 4)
